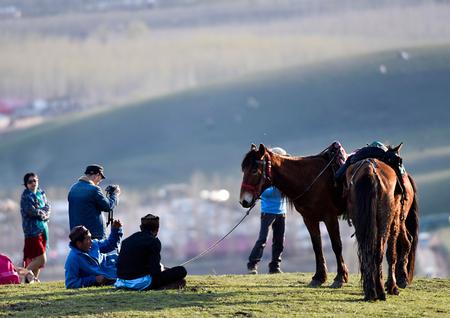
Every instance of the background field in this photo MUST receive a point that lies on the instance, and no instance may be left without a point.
(165, 140)
(285, 295)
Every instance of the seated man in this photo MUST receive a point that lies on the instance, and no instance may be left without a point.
(139, 264)
(87, 263)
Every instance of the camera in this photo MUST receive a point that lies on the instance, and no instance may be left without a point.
(111, 189)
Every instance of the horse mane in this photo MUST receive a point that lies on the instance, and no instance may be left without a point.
(249, 159)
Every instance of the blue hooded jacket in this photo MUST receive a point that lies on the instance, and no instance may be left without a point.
(86, 203)
(81, 267)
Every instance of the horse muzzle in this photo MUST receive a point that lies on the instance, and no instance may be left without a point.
(247, 200)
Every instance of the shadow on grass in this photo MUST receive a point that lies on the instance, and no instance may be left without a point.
(104, 301)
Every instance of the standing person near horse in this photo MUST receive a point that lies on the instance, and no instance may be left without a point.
(273, 213)
(139, 265)
(87, 201)
(35, 211)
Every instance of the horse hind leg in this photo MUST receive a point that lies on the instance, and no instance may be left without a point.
(379, 286)
(320, 276)
(391, 255)
(336, 243)
(403, 250)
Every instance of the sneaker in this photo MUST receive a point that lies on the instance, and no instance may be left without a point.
(30, 279)
(252, 271)
(275, 271)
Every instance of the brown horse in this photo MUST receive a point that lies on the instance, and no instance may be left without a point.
(382, 219)
(308, 182)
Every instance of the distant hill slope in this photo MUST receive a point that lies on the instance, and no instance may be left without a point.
(303, 109)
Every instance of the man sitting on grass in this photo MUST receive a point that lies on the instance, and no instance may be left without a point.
(87, 263)
(139, 264)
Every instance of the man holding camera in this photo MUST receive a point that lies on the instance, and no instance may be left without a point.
(87, 201)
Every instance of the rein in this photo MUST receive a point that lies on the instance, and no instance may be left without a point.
(315, 180)
(209, 249)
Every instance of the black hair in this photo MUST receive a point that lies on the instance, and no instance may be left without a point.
(27, 176)
(78, 234)
(150, 223)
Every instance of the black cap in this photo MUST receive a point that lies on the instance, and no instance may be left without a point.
(94, 169)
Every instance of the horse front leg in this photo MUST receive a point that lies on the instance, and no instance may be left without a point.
(320, 276)
(332, 225)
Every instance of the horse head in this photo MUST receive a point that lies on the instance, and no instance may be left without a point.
(257, 170)
(396, 150)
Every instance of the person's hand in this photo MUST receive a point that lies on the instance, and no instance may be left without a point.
(117, 190)
(117, 224)
(102, 280)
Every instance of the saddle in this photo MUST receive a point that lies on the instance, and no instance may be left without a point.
(389, 157)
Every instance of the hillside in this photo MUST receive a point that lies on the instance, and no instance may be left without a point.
(303, 109)
(285, 295)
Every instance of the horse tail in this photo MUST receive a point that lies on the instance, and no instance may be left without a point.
(412, 225)
(366, 230)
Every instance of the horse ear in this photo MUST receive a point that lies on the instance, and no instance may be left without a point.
(397, 149)
(253, 147)
(262, 149)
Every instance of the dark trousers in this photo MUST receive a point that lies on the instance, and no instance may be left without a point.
(277, 221)
(168, 277)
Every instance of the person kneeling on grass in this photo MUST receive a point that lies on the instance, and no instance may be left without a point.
(87, 263)
(139, 264)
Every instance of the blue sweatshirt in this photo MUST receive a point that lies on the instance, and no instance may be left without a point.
(272, 202)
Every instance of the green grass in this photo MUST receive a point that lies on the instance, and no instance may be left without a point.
(284, 295)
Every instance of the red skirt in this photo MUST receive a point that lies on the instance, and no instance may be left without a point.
(34, 247)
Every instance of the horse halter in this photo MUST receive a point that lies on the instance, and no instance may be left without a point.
(266, 168)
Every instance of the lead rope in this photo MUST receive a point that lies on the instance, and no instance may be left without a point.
(209, 249)
(314, 181)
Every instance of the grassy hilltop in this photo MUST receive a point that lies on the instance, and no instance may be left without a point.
(285, 295)
(209, 129)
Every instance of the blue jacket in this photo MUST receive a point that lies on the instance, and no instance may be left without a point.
(272, 201)
(81, 267)
(86, 203)
(34, 216)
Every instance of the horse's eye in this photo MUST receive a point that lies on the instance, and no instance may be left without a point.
(254, 171)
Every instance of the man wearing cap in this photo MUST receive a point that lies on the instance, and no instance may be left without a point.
(87, 201)
(139, 264)
(87, 263)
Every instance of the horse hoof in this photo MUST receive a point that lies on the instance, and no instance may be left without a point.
(402, 283)
(315, 283)
(337, 284)
(370, 298)
(394, 291)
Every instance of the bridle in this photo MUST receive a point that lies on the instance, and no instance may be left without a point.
(266, 168)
